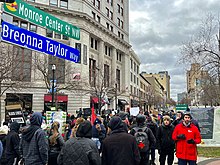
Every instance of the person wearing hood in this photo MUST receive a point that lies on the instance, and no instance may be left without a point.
(80, 150)
(166, 144)
(34, 144)
(98, 132)
(119, 147)
(12, 144)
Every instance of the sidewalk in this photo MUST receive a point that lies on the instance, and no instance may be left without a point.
(200, 160)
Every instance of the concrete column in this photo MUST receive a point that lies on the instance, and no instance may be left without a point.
(113, 66)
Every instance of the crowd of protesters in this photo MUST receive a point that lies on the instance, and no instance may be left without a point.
(119, 139)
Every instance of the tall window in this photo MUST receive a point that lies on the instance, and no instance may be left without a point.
(118, 22)
(64, 4)
(111, 15)
(107, 12)
(118, 79)
(94, 43)
(60, 69)
(92, 72)
(131, 63)
(98, 4)
(118, 8)
(106, 75)
(21, 64)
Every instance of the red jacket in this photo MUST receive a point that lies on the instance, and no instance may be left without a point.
(183, 149)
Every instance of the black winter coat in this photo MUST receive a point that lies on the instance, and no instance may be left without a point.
(79, 151)
(164, 138)
(12, 142)
(120, 148)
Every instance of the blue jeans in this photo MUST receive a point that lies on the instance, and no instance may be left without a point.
(184, 162)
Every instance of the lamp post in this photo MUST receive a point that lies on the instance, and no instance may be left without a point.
(53, 74)
(116, 105)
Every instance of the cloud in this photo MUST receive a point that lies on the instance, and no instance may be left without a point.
(158, 29)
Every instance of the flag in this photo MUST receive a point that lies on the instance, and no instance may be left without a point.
(93, 116)
(76, 76)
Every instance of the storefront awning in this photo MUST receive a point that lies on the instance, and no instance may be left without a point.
(59, 98)
(96, 100)
(123, 102)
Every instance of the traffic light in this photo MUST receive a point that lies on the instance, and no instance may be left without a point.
(7, 1)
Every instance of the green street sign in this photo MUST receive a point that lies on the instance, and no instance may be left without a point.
(36, 16)
(182, 107)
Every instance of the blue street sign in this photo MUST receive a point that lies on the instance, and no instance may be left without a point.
(27, 39)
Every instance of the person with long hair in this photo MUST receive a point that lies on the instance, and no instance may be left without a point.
(56, 143)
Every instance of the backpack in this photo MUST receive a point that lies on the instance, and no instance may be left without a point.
(142, 138)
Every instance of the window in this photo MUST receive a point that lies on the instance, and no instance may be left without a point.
(93, 43)
(15, 22)
(122, 11)
(106, 50)
(64, 4)
(24, 25)
(33, 28)
(118, 8)
(137, 69)
(53, 3)
(49, 33)
(96, 45)
(137, 81)
(107, 25)
(92, 72)
(57, 35)
(93, 15)
(131, 77)
(122, 24)
(98, 4)
(119, 34)
(118, 22)
(131, 88)
(85, 54)
(60, 69)
(131, 63)
(98, 19)
(106, 75)
(65, 37)
(111, 15)
(111, 2)
(107, 12)
(109, 51)
(118, 79)
(111, 27)
(22, 64)
(134, 66)
(122, 36)
(134, 79)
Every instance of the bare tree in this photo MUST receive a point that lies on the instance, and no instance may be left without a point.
(10, 77)
(204, 48)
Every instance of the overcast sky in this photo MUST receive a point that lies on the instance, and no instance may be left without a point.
(158, 28)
